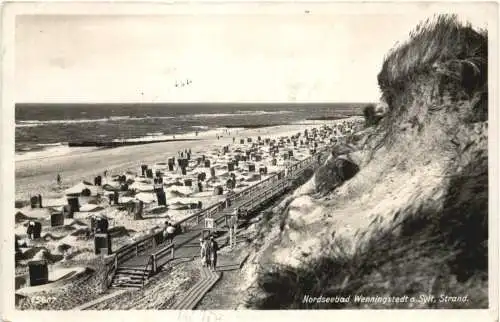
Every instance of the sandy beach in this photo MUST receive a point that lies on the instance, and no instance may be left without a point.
(67, 244)
(39, 175)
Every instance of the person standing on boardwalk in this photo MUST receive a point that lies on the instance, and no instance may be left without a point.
(214, 248)
(208, 253)
(165, 234)
(238, 214)
(203, 252)
(59, 179)
(169, 232)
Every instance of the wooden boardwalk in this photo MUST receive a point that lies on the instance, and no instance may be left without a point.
(181, 247)
(135, 263)
(180, 251)
(185, 245)
(194, 295)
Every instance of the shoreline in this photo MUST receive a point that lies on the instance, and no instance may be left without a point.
(115, 144)
(255, 126)
(187, 136)
(37, 176)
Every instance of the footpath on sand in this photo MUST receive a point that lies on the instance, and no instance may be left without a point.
(229, 261)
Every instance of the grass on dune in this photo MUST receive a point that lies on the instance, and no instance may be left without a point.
(426, 253)
(429, 251)
(441, 45)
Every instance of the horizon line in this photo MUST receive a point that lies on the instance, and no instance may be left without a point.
(192, 103)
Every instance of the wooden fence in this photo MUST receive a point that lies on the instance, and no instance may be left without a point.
(282, 176)
(126, 252)
(261, 192)
(159, 258)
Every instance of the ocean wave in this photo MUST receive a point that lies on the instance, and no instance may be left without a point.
(47, 122)
(52, 144)
(49, 151)
(265, 112)
(239, 113)
(211, 115)
(27, 125)
(32, 123)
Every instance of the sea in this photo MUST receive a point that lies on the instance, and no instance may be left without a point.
(45, 128)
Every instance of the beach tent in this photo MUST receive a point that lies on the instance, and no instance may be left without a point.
(108, 187)
(146, 197)
(34, 214)
(124, 199)
(90, 208)
(55, 202)
(178, 206)
(110, 183)
(78, 188)
(143, 187)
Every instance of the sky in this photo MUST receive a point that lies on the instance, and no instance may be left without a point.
(297, 57)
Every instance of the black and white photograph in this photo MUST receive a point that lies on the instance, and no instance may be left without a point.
(247, 157)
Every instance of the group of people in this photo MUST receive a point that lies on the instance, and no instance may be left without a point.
(208, 252)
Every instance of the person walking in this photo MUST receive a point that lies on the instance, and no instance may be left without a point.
(165, 231)
(170, 231)
(59, 179)
(208, 253)
(30, 230)
(237, 214)
(40, 201)
(214, 248)
(203, 252)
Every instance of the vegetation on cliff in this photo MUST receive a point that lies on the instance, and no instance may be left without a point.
(414, 220)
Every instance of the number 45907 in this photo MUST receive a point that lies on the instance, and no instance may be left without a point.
(43, 299)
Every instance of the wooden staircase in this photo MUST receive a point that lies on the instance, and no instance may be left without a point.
(126, 277)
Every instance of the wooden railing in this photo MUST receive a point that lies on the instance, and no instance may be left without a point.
(146, 271)
(159, 255)
(111, 268)
(197, 217)
(260, 192)
(264, 195)
(124, 253)
(292, 171)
